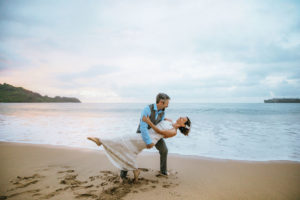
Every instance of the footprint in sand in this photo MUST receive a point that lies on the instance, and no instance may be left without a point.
(107, 181)
(166, 186)
(25, 181)
(67, 171)
(86, 195)
(115, 190)
(70, 180)
(106, 172)
(92, 178)
(110, 177)
(34, 192)
(144, 169)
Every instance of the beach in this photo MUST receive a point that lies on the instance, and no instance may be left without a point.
(36, 171)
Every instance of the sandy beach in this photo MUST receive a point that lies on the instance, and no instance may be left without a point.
(31, 171)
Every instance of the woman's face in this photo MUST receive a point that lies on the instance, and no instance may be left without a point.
(181, 121)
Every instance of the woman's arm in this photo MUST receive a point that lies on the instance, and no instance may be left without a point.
(167, 119)
(166, 133)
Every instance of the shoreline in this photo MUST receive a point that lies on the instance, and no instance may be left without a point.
(147, 152)
(37, 171)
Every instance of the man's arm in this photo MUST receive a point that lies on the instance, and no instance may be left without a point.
(167, 119)
(144, 127)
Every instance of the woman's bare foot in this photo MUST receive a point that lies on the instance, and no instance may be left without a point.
(136, 174)
(121, 180)
(94, 139)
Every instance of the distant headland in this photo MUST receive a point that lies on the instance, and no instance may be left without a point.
(282, 100)
(11, 94)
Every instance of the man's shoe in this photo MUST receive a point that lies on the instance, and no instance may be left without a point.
(163, 174)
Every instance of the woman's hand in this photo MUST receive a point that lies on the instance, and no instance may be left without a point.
(149, 146)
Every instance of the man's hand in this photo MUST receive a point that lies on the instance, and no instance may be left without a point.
(149, 146)
(146, 119)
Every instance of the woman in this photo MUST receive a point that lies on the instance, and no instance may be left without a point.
(123, 151)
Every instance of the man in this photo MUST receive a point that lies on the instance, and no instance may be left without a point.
(156, 112)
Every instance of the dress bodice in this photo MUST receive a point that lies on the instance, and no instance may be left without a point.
(163, 125)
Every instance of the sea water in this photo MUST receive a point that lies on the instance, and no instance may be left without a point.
(255, 132)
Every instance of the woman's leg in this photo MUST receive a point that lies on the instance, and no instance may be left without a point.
(136, 174)
(96, 140)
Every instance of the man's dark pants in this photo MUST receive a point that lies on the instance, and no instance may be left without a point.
(163, 151)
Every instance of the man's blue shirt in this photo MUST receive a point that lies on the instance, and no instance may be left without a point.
(144, 126)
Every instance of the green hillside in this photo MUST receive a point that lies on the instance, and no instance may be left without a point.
(9, 93)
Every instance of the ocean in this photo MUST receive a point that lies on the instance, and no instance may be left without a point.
(253, 132)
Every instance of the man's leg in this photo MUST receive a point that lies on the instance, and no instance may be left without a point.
(123, 174)
(163, 151)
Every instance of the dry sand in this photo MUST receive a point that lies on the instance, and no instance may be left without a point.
(29, 171)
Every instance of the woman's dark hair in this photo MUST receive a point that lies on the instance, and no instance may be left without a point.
(184, 130)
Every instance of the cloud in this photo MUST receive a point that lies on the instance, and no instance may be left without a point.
(91, 72)
(129, 51)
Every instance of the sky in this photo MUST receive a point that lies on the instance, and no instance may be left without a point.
(200, 51)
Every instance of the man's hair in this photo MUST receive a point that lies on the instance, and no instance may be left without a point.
(162, 96)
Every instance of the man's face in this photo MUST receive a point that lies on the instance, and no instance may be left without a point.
(163, 104)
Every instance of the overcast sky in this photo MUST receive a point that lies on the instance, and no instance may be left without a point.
(128, 51)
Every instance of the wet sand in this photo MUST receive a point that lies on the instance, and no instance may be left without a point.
(30, 171)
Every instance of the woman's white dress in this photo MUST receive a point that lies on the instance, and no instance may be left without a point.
(123, 151)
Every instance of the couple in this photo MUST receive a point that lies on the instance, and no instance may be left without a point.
(154, 126)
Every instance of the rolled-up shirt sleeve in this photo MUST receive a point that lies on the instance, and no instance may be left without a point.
(144, 126)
